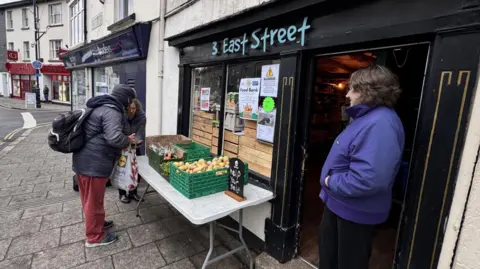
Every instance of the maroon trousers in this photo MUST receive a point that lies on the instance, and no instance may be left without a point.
(92, 194)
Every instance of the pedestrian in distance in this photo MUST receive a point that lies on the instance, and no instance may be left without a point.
(46, 91)
(359, 172)
(95, 161)
(134, 123)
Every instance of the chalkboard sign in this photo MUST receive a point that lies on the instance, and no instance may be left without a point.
(236, 177)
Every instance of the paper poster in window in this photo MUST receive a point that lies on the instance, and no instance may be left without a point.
(249, 91)
(270, 80)
(205, 99)
(266, 125)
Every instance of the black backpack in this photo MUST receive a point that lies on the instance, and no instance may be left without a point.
(67, 134)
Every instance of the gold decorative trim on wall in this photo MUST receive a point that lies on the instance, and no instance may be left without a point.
(452, 156)
(291, 81)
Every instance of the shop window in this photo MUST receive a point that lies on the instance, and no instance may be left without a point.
(76, 22)
(248, 129)
(105, 79)
(24, 18)
(55, 46)
(79, 92)
(123, 8)
(206, 103)
(11, 46)
(55, 14)
(9, 20)
(26, 50)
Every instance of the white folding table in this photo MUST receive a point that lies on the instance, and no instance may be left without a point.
(207, 209)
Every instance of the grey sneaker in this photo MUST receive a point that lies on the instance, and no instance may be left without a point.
(109, 238)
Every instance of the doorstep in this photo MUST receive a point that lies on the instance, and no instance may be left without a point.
(265, 261)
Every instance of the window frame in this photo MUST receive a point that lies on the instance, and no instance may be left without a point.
(25, 18)
(52, 16)
(13, 46)
(26, 50)
(54, 55)
(76, 19)
(9, 19)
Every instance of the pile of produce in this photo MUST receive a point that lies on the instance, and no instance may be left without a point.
(167, 152)
(201, 165)
(165, 168)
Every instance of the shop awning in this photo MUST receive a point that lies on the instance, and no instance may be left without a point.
(126, 45)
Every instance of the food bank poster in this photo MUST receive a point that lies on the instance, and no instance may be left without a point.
(249, 92)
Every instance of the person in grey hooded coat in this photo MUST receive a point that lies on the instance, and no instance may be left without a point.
(95, 162)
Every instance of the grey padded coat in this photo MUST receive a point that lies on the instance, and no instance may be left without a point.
(104, 137)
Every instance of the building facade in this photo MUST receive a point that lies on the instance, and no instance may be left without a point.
(20, 37)
(172, 51)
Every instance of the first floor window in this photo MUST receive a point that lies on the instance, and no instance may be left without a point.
(123, 8)
(26, 50)
(9, 20)
(55, 14)
(11, 46)
(55, 46)
(76, 23)
(24, 18)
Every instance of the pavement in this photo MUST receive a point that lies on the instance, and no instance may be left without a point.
(42, 225)
(13, 103)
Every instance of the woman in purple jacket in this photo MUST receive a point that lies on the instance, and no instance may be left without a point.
(359, 172)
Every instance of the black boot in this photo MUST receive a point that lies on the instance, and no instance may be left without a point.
(135, 197)
(124, 199)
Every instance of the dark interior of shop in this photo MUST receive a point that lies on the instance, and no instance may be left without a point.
(328, 120)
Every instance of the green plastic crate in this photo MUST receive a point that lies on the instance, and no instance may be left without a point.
(193, 151)
(201, 184)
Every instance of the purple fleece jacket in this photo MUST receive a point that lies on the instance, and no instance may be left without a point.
(362, 164)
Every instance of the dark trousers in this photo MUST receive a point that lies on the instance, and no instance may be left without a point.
(343, 244)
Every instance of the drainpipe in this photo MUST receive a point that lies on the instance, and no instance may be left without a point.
(161, 52)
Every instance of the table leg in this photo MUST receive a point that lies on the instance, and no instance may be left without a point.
(141, 199)
(240, 235)
(212, 240)
(230, 253)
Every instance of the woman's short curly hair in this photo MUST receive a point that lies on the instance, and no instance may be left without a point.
(377, 85)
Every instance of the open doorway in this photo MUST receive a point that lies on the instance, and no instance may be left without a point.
(328, 119)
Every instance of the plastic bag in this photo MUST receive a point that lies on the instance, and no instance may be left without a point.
(125, 176)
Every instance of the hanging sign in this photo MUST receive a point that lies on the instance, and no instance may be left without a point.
(248, 98)
(270, 80)
(205, 99)
(12, 55)
(266, 125)
(236, 179)
(262, 39)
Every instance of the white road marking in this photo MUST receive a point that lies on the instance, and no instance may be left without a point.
(28, 120)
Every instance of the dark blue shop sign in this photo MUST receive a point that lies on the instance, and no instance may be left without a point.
(127, 45)
(262, 39)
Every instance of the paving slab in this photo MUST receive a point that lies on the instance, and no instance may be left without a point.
(125, 220)
(60, 258)
(180, 246)
(144, 257)
(183, 264)
(104, 263)
(72, 233)
(61, 219)
(17, 263)
(19, 227)
(154, 213)
(34, 242)
(42, 210)
(177, 224)
(31, 197)
(4, 244)
(231, 262)
(147, 233)
(16, 190)
(10, 216)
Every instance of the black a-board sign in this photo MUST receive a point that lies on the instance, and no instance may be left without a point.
(236, 177)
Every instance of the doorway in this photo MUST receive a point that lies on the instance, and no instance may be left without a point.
(328, 119)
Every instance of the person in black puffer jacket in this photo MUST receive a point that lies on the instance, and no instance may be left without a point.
(95, 162)
(134, 123)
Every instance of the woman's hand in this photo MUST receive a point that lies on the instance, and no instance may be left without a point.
(131, 138)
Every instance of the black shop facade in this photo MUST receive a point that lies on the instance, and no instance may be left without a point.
(118, 58)
(305, 51)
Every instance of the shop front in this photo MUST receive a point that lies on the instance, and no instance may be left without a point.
(272, 92)
(57, 79)
(22, 77)
(118, 58)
